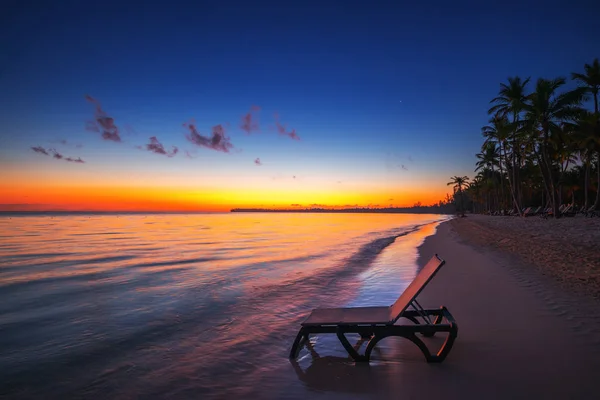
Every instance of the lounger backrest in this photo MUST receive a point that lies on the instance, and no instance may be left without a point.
(415, 287)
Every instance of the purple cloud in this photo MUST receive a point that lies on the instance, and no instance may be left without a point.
(249, 121)
(41, 150)
(218, 141)
(56, 154)
(190, 154)
(282, 130)
(257, 161)
(157, 147)
(102, 123)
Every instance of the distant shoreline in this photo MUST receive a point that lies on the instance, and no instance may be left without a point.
(422, 210)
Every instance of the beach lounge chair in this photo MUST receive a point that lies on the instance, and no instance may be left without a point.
(377, 323)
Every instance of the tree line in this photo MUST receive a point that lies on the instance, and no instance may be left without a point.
(540, 148)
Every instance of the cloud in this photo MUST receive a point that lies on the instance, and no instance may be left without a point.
(56, 155)
(157, 147)
(295, 205)
(41, 150)
(257, 161)
(218, 141)
(294, 176)
(282, 130)
(102, 123)
(190, 154)
(410, 159)
(390, 199)
(249, 121)
(393, 162)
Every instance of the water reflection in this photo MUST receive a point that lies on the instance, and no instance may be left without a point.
(183, 305)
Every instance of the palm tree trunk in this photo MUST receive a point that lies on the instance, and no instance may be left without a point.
(598, 165)
(586, 177)
(548, 164)
(510, 183)
(597, 187)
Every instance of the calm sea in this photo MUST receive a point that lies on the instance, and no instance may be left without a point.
(186, 305)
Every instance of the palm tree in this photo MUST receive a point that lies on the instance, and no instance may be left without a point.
(511, 102)
(499, 131)
(587, 137)
(459, 183)
(546, 111)
(590, 83)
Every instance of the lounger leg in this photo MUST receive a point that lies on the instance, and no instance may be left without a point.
(351, 350)
(446, 347)
(302, 335)
(431, 358)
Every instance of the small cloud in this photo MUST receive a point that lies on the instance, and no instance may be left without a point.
(339, 181)
(281, 129)
(390, 199)
(294, 177)
(257, 161)
(56, 154)
(218, 141)
(295, 205)
(403, 167)
(410, 159)
(249, 121)
(157, 147)
(41, 150)
(190, 154)
(102, 123)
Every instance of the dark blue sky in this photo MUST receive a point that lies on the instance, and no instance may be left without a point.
(356, 79)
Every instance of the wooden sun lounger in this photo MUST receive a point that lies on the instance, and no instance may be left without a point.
(377, 323)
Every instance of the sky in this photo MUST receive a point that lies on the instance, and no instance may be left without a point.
(210, 105)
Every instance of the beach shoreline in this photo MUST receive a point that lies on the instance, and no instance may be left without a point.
(519, 330)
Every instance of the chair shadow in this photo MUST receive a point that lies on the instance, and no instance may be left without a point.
(337, 374)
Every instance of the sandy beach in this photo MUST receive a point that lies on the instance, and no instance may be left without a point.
(521, 335)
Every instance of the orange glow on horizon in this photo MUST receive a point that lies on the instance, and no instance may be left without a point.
(27, 198)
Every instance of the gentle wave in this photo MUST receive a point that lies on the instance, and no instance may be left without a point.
(206, 304)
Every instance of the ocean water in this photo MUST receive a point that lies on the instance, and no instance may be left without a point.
(185, 305)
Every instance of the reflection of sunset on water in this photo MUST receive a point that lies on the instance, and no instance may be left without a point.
(208, 291)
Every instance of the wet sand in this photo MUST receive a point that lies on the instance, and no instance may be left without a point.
(520, 336)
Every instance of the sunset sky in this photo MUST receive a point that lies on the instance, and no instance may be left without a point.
(349, 102)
